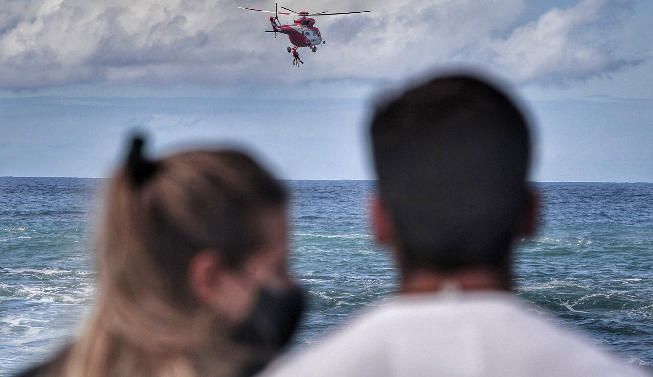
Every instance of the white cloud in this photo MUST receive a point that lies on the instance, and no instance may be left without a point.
(560, 45)
(60, 42)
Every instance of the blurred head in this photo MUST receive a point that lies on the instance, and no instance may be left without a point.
(187, 247)
(452, 158)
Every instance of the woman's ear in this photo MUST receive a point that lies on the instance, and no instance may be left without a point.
(528, 225)
(203, 269)
(222, 289)
(382, 225)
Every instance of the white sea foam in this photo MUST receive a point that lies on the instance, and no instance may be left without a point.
(346, 236)
(14, 229)
(311, 280)
(13, 321)
(638, 362)
(643, 312)
(322, 295)
(49, 294)
(563, 241)
(6, 239)
(554, 284)
(570, 307)
(36, 271)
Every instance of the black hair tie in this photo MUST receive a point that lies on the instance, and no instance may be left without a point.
(139, 169)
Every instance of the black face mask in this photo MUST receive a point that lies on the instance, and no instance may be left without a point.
(273, 320)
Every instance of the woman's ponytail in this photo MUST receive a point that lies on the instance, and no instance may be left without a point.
(139, 169)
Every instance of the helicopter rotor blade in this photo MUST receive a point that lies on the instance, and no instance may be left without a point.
(339, 13)
(262, 10)
(289, 10)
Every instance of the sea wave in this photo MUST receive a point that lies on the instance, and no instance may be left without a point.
(569, 241)
(644, 312)
(7, 239)
(344, 236)
(46, 294)
(15, 229)
(48, 271)
(554, 284)
(37, 271)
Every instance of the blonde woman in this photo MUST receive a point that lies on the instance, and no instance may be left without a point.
(192, 271)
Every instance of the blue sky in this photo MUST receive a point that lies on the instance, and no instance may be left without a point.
(77, 76)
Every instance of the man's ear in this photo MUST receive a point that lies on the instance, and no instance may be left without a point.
(217, 286)
(381, 222)
(529, 221)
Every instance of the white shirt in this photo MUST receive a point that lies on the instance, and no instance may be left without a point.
(452, 334)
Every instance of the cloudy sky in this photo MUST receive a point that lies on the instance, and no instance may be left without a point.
(77, 76)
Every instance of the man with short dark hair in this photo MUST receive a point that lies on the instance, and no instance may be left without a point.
(452, 158)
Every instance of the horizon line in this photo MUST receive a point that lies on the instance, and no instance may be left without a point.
(328, 179)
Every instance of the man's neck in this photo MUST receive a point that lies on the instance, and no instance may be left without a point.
(420, 281)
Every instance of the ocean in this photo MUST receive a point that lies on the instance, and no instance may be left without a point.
(590, 264)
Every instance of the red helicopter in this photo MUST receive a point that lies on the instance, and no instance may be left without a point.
(303, 32)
